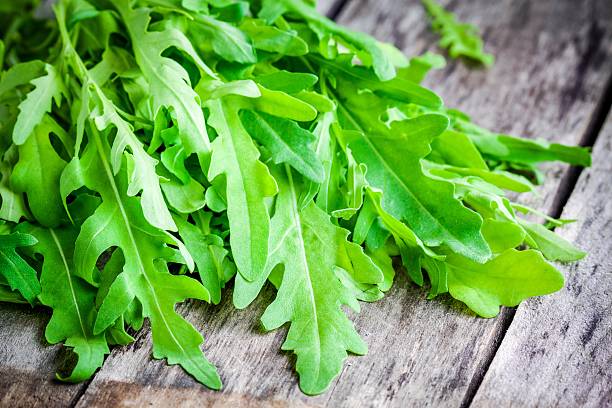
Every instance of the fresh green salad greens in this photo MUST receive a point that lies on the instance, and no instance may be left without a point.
(153, 151)
(460, 39)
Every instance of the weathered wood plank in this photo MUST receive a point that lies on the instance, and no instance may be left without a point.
(557, 351)
(27, 364)
(421, 353)
(325, 6)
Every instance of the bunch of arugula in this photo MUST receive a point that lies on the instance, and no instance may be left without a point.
(151, 151)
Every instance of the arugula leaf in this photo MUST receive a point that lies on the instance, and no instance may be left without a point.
(552, 246)
(12, 207)
(229, 42)
(273, 39)
(10, 296)
(143, 176)
(169, 83)
(47, 88)
(210, 257)
(21, 74)
(38, 171)
(502, 234)
(105, 115)
(248, 183)
(290, 82)
(460, 39)
(506, 280)
(369, 50)
(288, 142)
(71, 299)
(431, 210)
(119, 221)
(398, 88)
(516, 150)
(18, 274)
(310, 248)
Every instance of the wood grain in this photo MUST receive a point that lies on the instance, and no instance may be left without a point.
(557, 351)
(553, 58)
(28, 364)
(325, 6)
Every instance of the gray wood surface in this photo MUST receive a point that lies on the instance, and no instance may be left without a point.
(325, 6)
(553, 58)
(558, 350)
(28, 364)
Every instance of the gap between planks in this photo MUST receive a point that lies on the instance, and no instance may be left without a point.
(564, 192)
(335, 9)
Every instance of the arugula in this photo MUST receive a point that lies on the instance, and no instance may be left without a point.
(312, 250)
(47, 88)
(248, 183)
(71, 299)
(15, 270)
(461, 40)
(154, 151)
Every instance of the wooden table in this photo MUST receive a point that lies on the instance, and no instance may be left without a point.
(551, 80)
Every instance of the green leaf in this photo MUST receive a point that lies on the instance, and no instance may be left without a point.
(418, 67)
(460, 39)
(19, 275)
(12, 206)
(289, 82)
(168, 81)
(184, 198)
(10, 296)
(310, 248)
(273, 39)
(426, 205)
(21, 74)
(516, 150)
(506, 280)
(116, 301)
(499, 178)
(457, 149)
(141, 166)
(328, 194)
(398, 89)
(371, 53)
(71, 299)
(283, 105)
(248, 183)
(288, 142)
(208, 254)
(119, 222)
(47, 88)
(37, 173)
(355, 184)
(438, 276)
(502, 235)
(97, 107)
(552, 246)
(228, 41)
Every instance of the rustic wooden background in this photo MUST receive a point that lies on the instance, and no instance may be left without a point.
(552, 79)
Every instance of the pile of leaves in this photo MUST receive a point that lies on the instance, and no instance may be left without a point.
(153, 151)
